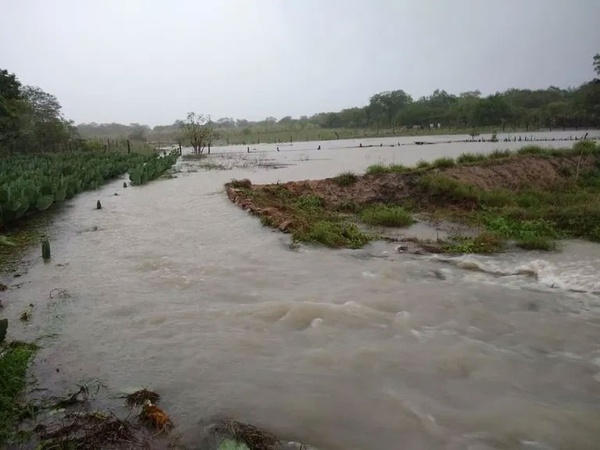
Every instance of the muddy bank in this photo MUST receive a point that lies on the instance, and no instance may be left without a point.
(495, 181)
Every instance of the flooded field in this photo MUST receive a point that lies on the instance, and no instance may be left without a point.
(171, 286)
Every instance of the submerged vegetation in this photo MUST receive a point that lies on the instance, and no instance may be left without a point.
(14, 360)
(30, 183)
(530, 198)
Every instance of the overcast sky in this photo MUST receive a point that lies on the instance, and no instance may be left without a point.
(152, 61)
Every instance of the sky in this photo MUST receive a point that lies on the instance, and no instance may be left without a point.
(152, 61)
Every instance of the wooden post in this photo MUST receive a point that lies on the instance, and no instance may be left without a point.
(98, 205)
(46, 250)
(128, 147)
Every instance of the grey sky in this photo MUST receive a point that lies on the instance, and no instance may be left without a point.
(151, 61)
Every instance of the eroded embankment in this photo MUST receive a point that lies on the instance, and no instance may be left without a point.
(530, 198)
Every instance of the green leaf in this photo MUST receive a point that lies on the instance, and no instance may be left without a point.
(60, 195)
(44, 202)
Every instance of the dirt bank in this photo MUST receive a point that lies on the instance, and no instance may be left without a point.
(487, 183)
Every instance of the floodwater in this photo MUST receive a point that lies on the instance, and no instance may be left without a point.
(173, 287)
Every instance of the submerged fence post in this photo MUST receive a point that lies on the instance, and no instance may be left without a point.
(98, 205)
(46, 250)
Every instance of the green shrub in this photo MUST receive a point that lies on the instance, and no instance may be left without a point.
(376, 169)
(469, 158)
(531, 150)
(386, 215)
(537, 243)
(443, 188)
(443, 163)
(333, 234)
(500, 154)
(346, 179)
(380, 168)
(484, 243)
(309, 201)
(422, 164)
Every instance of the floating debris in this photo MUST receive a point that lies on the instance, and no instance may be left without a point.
(95, 430)
(153, 416)
(26, 315)
(139, 398)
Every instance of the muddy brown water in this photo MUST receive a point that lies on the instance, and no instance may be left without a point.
(175, 288)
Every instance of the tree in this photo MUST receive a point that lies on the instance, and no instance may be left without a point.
(198, 131)
(41, 124)
(597, 64)
(138, 132)
(386, 105)
(11, 106)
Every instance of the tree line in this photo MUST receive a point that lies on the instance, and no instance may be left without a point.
(31, 119)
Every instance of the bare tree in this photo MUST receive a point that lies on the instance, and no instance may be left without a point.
(198, 131)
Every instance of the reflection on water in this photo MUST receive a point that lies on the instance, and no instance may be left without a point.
(174, 287)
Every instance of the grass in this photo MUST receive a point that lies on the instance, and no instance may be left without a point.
(14, 360)
(484, 243)
(311, 221)
(386, 215)
(332, 234)
(443, 163)
(470, 158)
(377, 169)
(346, 179)
(537, 243)
(531, 217)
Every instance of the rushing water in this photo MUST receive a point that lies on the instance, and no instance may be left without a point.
(173, 287)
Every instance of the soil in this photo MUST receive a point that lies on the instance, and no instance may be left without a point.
(400, 188)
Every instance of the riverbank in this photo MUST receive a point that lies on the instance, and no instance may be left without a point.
(530, 198)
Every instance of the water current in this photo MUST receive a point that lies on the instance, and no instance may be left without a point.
(173, 287)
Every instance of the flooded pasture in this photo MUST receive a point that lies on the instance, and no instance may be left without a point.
(172, 286)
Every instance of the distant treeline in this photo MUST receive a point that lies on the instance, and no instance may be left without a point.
(397, 112)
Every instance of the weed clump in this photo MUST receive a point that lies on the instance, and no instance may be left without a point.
(346, 179)
(138, 398)
(443, 163)
(537, 243)
(386, 215)
(332, 234)
(484, 243)
(241, 184)
(14, 361)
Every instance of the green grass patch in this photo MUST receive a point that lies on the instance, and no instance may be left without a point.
(377, 169)
(386, 215)
(14, 360)
(309, 202)
(500, 154)
(346, 179)
(443, 163)
(471, 158)
(537, 243)
(332, 234)
(422, 164)
(484, 243)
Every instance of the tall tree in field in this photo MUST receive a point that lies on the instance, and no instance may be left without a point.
(597, 64)
(42, 124)
(198, 130)
(387, 105)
